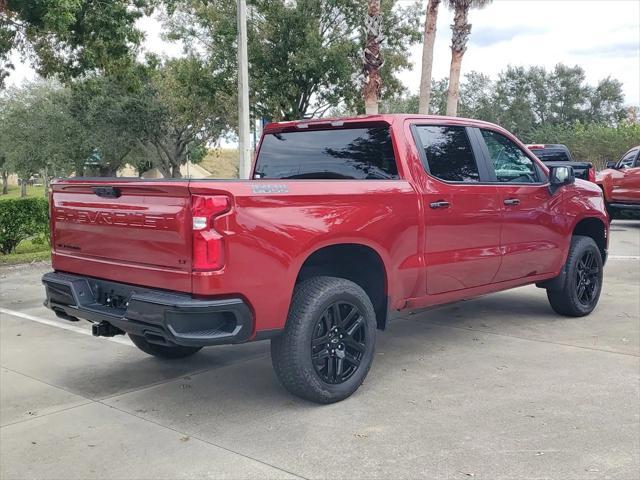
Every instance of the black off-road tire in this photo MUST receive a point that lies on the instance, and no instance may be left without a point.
(566, 299)
(163, 351)
(292, 351)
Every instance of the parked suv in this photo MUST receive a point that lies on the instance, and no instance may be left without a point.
(344, 222)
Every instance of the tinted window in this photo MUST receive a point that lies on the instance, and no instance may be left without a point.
(354, 153)
(449, 153)
(627, 160)
(511, 164)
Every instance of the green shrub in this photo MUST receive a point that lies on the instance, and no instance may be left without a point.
(21, 219)
(590, 142)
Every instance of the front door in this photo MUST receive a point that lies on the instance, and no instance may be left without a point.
(462, 215)
(531, 233)
(626, 185)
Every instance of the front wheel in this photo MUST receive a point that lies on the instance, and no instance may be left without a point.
(580, 291)
(326, 349)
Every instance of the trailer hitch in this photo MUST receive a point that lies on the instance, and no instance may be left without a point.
(105, 329)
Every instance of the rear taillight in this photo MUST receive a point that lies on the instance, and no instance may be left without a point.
(592, 174)
(208, 245)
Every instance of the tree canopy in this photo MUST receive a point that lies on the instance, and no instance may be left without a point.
(304, 56)
(37, 131)
(522, 99)
(70, 37)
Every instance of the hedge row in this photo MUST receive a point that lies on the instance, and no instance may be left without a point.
(21, 219)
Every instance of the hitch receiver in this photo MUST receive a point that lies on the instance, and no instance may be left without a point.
(105, 329)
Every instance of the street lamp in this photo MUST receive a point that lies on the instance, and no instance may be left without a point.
(244, 134)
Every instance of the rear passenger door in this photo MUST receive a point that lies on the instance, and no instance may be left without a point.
(531, 238)
(462, 215)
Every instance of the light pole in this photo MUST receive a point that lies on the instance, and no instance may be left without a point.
(244, 134)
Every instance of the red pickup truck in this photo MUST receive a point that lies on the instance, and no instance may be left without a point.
(344, 222)
(620, 183)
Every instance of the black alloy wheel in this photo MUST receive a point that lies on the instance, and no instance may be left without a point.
(587, 278)
(339, 342)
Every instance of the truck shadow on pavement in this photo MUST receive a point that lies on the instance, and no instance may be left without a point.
(241, 375)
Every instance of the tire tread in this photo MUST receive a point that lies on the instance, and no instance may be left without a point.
(285, 349)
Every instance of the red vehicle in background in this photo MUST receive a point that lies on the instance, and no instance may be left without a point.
(620, 183)
(344, 222)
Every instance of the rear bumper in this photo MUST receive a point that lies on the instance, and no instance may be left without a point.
(161, 317)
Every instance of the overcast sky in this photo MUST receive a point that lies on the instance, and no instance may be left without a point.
(601, 36)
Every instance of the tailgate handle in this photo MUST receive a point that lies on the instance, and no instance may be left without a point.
(108, 192)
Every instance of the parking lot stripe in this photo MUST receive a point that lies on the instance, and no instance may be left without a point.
(624, 257)
(71, 328)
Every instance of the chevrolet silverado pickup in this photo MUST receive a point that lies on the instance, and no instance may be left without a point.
(620, 183)
(554, 155)
(344, 222)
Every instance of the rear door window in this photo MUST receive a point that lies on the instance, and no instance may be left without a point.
(350, 153)
(448, 153)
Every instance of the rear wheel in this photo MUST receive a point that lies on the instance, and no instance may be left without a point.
(326, 349)
(162, 351)
(580, 291)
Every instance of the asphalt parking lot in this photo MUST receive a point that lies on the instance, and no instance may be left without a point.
(495, 387)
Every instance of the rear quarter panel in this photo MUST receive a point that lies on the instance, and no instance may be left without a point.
(274, 226)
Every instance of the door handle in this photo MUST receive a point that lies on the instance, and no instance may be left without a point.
(440, 204)
(512, 201)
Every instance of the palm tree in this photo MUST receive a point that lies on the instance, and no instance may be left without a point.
(427, 55)
(461, 29)
(372, 58)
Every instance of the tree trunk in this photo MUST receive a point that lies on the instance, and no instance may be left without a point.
(23, 188)
(175, 171)
(372, 59)
(461, 30)
(427, 55)
(453, 94)
(5, 182)
(45, 181)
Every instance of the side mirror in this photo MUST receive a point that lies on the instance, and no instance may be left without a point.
(611, 164)
(560, 176)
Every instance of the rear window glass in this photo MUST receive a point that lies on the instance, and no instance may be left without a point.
(551, 155)
(352, 153)
(449, 153)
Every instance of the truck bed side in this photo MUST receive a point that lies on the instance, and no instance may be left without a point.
(143, 237)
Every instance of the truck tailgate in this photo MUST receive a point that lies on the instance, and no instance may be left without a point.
(131, 231)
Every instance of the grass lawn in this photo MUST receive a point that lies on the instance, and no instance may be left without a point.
(14, 192)
(222, 163)
(26, 252)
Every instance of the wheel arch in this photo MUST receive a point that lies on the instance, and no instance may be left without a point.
(357, 262)
(596, 229)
